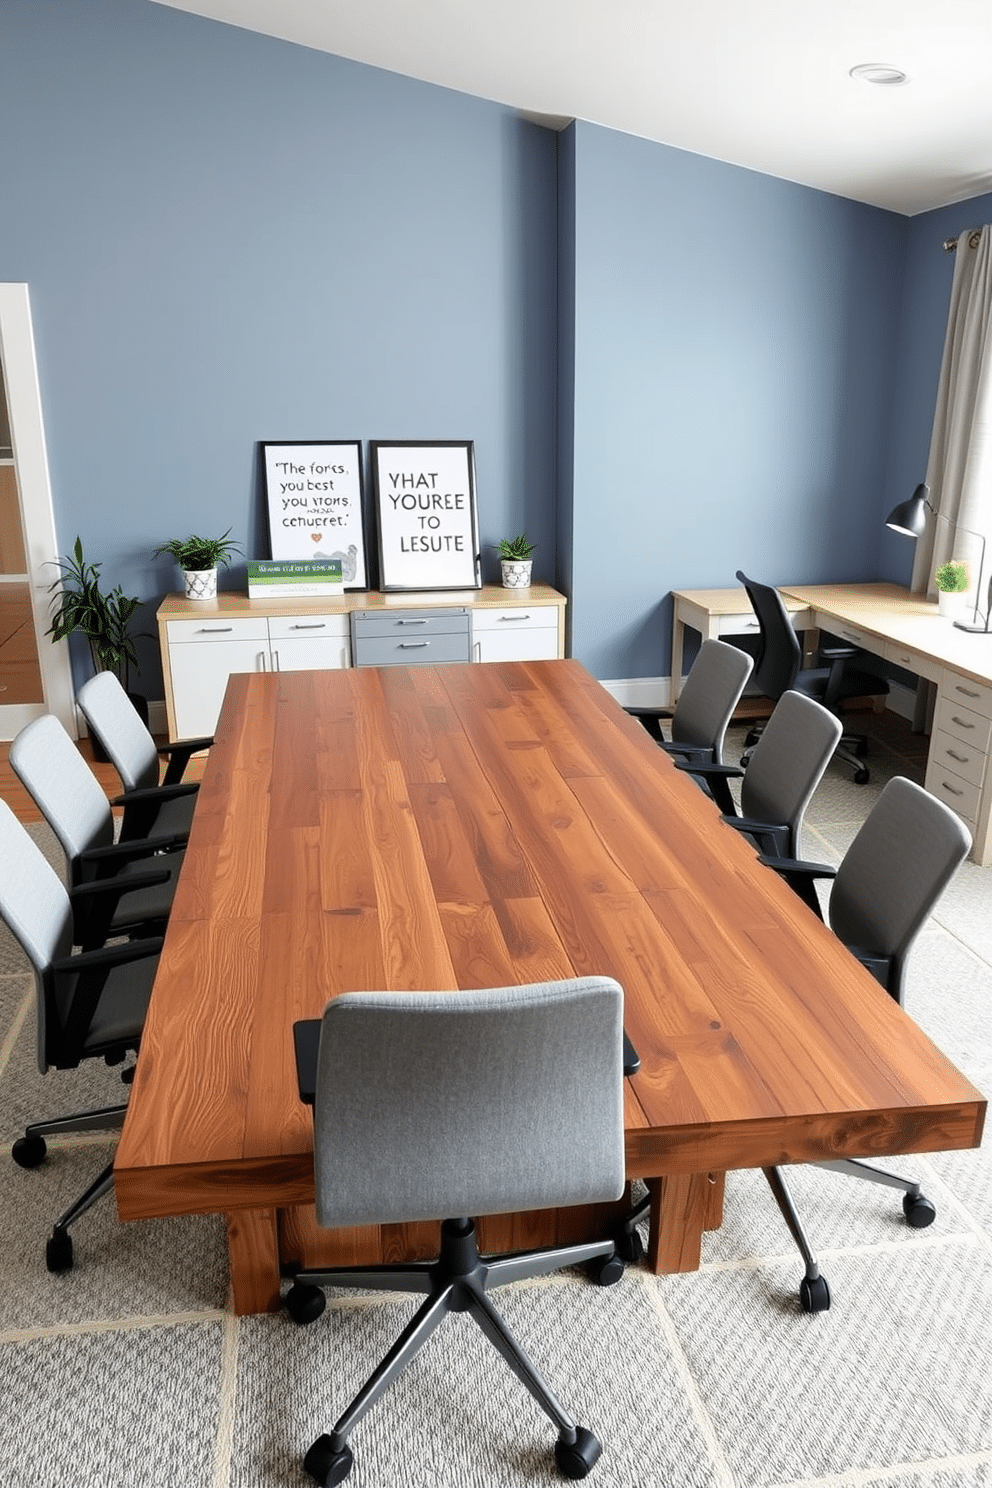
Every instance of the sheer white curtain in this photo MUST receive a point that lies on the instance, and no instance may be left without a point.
(959, 470)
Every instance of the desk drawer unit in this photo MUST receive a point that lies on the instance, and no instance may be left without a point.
(515, 634)
(410, 637)
(912, 661)
(959, 746)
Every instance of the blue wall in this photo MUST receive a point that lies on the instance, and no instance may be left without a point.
(735, 340)
(670, 367)
(231, 239)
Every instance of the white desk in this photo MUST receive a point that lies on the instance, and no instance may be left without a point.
(906, 630)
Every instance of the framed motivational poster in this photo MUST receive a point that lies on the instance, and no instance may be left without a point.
(316, 512)
(426, 514)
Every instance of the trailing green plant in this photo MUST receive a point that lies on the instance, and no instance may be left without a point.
(952, 577)
(81, 607)
(195, 554)
(515, 549)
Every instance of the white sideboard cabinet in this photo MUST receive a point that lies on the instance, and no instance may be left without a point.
(204, 641)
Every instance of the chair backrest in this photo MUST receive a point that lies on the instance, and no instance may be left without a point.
(779, 652)
(112, 717)
(709, 696)
(433, 1105)
(35, 906)
(905, 853)
(787, 764)
(63, 788)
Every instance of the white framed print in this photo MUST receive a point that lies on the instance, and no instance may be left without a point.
(426, 514)
(314, 493)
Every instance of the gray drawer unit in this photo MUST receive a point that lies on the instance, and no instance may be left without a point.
(409, 637)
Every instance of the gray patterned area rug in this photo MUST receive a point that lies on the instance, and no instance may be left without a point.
(131, 1369)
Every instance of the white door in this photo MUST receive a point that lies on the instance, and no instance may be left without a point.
(34, 671)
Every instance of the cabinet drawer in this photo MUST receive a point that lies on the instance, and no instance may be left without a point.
(962, 723)
(410, 650)
(912, 661)
(515, 618)
(306, 627)
(409, 622)
(852, 635)
(961, 795)
(216, 628)
(951, 753)
(745, 623)
(974, 695)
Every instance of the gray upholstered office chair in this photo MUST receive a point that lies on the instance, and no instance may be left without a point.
(89, 1006)
(483, 1102)
(705, 705)
(66, 792)
(161, 808)
(779, 668)
(904, 855)
(784, 769)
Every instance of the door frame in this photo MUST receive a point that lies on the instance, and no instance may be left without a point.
(27, 435)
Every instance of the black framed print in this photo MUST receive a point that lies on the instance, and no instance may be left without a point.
(426, 514)
(314, 494)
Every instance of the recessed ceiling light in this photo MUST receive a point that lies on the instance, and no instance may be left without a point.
(879, 72)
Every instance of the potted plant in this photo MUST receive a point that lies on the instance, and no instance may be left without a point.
(951, 580)
(80, 606)
(199, 557)
(515, 554)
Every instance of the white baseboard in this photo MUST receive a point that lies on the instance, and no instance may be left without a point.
(640, 692)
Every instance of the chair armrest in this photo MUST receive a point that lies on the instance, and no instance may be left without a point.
(631, 1058)
(801, 877)
(306, 1042)
(770, 836)
(109, 956)
(179, 756)
(698, 753)
(156, 793)
(879, 966)
(94, 904)
(88, 974)
(141, 807)
(651, 719)
(715, 778)
(125, 852)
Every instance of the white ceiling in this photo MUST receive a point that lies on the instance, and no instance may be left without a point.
(761, 83)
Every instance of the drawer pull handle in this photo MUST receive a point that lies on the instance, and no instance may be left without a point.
(852, 635)
(314, 625)
(953, 790)
(962, 759)
(508, 619)
(412, 622)
(968, 692)
(961, 723)
(215, 630)
(412, 645)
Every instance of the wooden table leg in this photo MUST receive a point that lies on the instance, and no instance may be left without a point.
(253, 1249)
(681, 1208)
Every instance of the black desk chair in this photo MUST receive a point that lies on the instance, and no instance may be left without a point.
(705, 705)
(89, 1006)
(66, 792)
(904, 855)
(779, 668)
(161, 808)
(461, 1103)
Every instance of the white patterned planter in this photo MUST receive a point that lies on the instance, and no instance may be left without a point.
(200, 583)
(516, 572)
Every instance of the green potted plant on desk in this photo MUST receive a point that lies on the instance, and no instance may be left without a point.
(80, 606)
(515, 555)
(951, 581)
(199, 558)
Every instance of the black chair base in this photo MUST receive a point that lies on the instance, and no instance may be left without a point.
(29, 1152)
(456, 1282)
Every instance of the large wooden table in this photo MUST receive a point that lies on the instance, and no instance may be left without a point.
(467, 826)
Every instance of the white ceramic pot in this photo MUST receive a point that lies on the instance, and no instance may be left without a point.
(516, 572)
(952, 605)
(200, 583)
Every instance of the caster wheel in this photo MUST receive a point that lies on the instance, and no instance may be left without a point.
(862, 777)
(28, 1152)
(919, 1212)
(814, 1296)
(629, 1246)
(607, 1270)
(305, 1304)
(577, 1459)
(325, 1465)
(58, 1252)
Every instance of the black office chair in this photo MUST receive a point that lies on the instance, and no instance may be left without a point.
(66, 792)
(784, 769)
(705, 705)
(156, 808)
(779, 668)
(485, 1102)
(89, 1006)
(904, 855)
